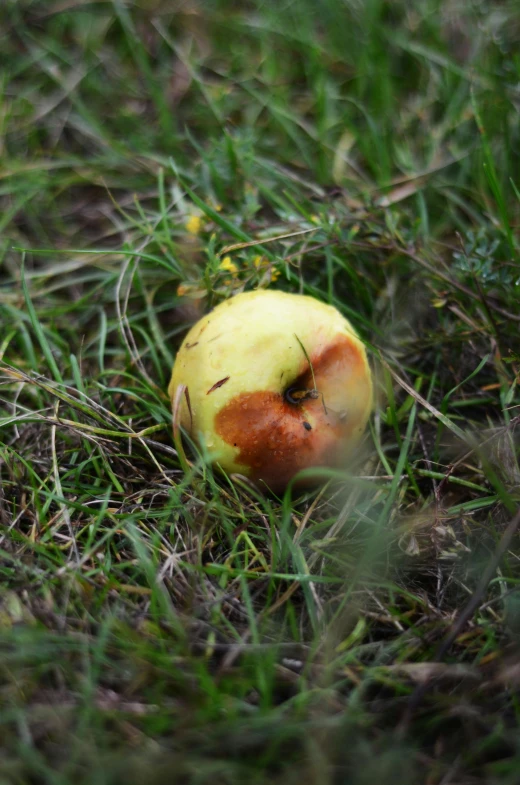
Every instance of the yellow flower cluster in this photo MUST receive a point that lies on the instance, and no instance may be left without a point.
(194, 224)
(260, 262)
(228, 265)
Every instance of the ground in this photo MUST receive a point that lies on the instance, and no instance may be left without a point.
(161, 623)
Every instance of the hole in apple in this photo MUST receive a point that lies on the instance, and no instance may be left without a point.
(295, 396)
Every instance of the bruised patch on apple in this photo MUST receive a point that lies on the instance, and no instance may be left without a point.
(274, 436)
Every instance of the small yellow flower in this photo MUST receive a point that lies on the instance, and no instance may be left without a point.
(259, 261)
(182, 289)
(227, 264)
(194, 224)
(275, 274)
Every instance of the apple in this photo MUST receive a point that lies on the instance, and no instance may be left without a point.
(275, 383)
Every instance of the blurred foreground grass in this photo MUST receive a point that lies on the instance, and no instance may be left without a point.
(161, 627)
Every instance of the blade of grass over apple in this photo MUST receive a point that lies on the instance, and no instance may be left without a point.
(304, 350)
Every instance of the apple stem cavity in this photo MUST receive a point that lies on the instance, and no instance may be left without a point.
(296, 396)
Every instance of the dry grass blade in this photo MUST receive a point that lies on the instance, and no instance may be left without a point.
(180, 392)
(427, 405)
(264, 241)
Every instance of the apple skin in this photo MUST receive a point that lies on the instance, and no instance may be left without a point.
(239, 361)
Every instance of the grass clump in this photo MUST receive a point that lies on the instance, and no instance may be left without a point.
(158, 625)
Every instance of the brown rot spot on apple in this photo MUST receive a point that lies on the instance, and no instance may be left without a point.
(191, 345)
(266, 426)
(218, 384)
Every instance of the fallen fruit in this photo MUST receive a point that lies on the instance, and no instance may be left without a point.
(275, 383)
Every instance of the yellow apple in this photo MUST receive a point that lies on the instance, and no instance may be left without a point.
(254, 400)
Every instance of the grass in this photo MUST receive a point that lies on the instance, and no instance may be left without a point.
(162, 624)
